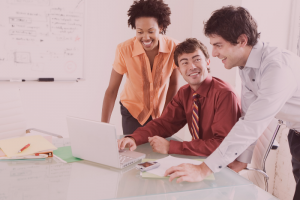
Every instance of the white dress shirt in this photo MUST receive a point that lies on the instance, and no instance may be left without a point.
(270, 88)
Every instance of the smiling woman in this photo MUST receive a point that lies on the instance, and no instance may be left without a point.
(147, 61)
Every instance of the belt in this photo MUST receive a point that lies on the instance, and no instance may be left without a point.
(297, 132)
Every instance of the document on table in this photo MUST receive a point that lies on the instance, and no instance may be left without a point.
(166, 163)
(37, 144)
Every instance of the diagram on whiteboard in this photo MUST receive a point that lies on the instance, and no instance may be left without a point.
(41, 38)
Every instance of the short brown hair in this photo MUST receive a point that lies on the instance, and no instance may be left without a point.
(230, 22)
(190, 45)
(150, 8)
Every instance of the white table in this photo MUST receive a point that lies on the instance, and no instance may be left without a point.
(51, 179)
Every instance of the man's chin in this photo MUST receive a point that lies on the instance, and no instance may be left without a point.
(194, 83)
(227, 67)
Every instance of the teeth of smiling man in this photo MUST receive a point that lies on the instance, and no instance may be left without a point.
(194, 74)
(223, 58)
(147, 43)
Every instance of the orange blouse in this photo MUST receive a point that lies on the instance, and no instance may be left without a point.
(145, 91)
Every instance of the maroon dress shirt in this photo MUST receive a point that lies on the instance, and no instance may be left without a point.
(220, 110)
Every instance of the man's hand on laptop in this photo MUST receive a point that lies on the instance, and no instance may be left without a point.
(159, 144)
(127, 142)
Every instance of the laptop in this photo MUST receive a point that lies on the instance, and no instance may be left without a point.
(97, 142)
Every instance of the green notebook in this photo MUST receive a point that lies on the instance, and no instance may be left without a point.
(149, 175)
(65, 153)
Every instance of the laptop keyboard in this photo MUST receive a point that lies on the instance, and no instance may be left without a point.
(124, 159)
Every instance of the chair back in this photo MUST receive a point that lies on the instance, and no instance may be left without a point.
(264, 144)
(12, 118)
(261, 152)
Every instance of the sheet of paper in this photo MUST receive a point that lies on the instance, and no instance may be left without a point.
(150, 175)
(170, 161)
(37, 143)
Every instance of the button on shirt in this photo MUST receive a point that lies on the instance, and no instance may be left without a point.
(145, 90)
(220, 110)
(270, 88)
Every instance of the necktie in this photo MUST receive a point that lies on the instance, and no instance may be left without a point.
(195, 116)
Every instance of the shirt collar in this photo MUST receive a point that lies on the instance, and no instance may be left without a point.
(205, 86)
(254, 59)
(138, 48)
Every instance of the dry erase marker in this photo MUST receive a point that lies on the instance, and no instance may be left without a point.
(26, 146)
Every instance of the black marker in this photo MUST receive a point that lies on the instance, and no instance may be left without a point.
(40, 80)
(46, 79)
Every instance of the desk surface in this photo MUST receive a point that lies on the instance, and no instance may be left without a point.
(51, 179)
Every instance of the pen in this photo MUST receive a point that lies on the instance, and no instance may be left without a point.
(25, 147)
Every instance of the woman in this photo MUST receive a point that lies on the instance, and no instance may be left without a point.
(147, 61)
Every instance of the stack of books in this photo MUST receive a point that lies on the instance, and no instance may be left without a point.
(27, 147)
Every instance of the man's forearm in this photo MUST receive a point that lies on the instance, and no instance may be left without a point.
(197, 147)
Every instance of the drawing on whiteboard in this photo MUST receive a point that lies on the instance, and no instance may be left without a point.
(44, 36)
(19, 21)
(23, 32)
(22, 57)
(70, 67)
(64, 23)
(70, 51)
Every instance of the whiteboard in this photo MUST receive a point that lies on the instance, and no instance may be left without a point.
(41, 39)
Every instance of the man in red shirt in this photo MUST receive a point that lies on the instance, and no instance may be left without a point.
(207, 104)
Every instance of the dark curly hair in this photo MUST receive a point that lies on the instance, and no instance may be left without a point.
(230, 22)
(150, 8)
(190, 45)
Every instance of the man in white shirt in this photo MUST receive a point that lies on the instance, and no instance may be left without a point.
(270, 88)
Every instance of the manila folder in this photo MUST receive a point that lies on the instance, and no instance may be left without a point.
(37, 143)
